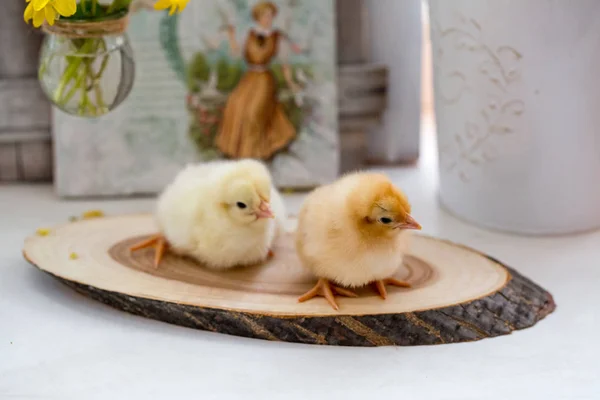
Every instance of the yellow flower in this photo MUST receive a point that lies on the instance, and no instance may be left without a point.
(174, 5)
(49, 10)
(43, 232)
(92, 214)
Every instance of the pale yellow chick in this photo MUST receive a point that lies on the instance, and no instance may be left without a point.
(221, 213)
(354, 232)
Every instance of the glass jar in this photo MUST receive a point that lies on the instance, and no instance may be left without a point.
(86, 76)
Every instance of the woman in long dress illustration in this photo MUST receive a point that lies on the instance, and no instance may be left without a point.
(254, 123)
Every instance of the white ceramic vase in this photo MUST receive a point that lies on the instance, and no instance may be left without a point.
(517, 98)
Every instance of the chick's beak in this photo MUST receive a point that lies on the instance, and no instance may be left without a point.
(409, 223)
(264, 211)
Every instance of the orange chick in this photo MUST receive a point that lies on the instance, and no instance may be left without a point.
(354, 232)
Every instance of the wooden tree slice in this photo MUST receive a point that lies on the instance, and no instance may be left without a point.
(457, 294)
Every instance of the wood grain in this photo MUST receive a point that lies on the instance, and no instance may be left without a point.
(352, 145)
(8, 162)
(362, 90)
(23, 105)
(27, 160)
(21, 42)
(25, 152)
(351, 32)
(457, 294)
(36, 160)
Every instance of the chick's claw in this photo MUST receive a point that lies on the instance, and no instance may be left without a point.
(326, 289)
(158, 242)
(380, 285)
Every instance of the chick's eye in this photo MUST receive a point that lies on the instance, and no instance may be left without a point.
(385, 220)
(240, 205)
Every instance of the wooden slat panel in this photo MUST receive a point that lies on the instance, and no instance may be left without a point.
(29, 135)
(354, 123)
(352, 146)
(20, 44)
(363, 105)
(36, 160)
(351, 31)
(8, 162)
(23, 104)
(362, 90)
(366, 82)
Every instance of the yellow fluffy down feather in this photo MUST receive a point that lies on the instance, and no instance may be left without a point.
(354, 231)
(218, 213)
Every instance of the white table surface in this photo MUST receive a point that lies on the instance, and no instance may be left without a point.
(57, 344)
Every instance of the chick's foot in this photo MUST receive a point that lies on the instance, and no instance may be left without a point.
(326, 289)
(158, 242)
(380, 285)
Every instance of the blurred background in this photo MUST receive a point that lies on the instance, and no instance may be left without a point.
(510, 120)
(485, 112)
(32, 132)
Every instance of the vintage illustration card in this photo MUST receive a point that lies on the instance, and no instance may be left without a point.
(224, 79)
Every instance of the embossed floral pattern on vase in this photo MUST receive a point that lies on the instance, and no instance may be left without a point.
(476, 83)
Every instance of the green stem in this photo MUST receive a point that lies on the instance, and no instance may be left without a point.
(118, 5)
(112, 7)
(96, 78)
(99, 98)
(71, 70)
(86, 106)
(84, 101)
(81, 77)
(68, 75)
(44, 67)
(94, 6)
(76, 85)
(104, 63)
(87, 87)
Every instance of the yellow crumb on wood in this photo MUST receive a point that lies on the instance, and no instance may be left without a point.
(42, 232)
(73, 256)
(92, 214)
